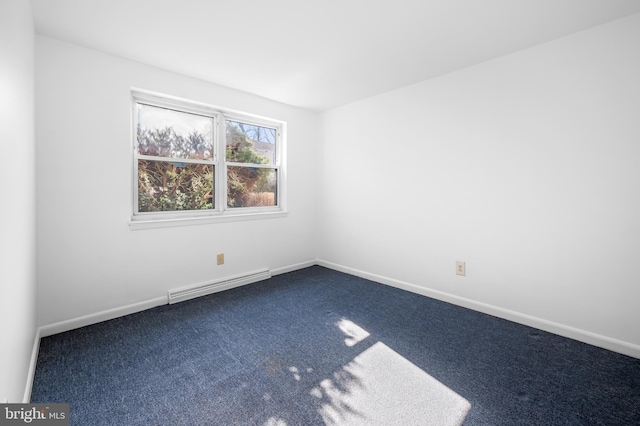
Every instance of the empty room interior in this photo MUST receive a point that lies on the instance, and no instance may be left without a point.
(339, 203)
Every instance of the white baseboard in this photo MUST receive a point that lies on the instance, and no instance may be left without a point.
(73, 323)
(552, 327)
(594, 339)
(294, 267)
(32, 367)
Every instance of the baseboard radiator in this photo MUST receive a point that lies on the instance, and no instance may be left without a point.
(202, 289)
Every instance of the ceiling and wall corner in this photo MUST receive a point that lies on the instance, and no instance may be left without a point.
(440, 76)
(318, 55)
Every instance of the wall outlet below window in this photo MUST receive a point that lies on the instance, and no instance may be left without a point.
(220, 259)
(461, 268)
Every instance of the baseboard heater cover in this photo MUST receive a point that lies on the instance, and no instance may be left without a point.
(197, 290)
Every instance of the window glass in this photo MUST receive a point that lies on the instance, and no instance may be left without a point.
(174, 186)
(249, 143)
(251, 186)
(165, 132)
(194, 161)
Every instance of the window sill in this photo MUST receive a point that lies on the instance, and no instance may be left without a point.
(140, 223)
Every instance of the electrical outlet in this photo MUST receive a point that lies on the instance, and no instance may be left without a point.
(220, 259)
(461, 268)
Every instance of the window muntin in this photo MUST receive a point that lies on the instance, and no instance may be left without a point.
(192, 160)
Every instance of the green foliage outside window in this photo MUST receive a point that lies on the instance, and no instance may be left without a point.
(173, 186)
(247, 186)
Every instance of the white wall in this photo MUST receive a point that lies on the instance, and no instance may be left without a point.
(526, 167)
(17, 209)
(89, 260)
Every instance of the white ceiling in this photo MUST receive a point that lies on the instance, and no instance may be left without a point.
(318, 54)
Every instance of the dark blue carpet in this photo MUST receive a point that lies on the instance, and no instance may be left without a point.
(272, 353)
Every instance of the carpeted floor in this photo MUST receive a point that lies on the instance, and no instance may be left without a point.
(316, 347)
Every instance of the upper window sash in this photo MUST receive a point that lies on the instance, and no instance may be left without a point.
(267, 134)
(180, 138)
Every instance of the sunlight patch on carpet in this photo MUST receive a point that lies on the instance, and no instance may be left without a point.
(275, 421)
(381, 387)
(353, 331)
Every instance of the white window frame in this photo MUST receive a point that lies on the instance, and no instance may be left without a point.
(220, 211)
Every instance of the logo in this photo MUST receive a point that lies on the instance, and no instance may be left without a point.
(34, 414)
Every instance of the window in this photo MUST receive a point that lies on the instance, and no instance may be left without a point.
(196, 162)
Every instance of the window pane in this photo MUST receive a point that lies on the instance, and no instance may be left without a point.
(248, 143)
(166, 186)
(251, 187)
(167, 133)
